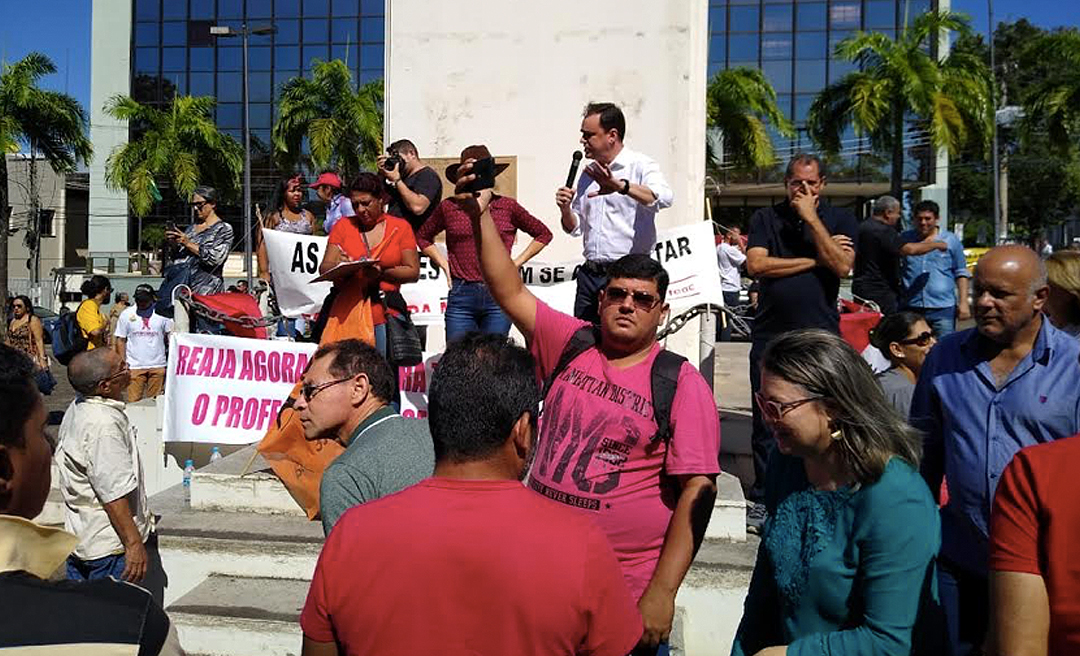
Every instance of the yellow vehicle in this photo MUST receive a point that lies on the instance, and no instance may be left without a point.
(972, 255)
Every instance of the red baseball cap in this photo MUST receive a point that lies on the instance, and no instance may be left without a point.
(328, 178)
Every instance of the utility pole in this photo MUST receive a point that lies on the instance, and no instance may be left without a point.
(999, 235)
(34, 230)
(1002, 179)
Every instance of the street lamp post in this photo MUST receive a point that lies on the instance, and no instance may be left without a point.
(1001, 229)
(244, 32)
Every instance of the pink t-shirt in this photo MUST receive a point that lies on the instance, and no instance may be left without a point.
(594, 451)
(456, 567)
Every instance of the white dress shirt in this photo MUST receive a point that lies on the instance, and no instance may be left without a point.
(729, 258)
(614, 224)
(99, 463)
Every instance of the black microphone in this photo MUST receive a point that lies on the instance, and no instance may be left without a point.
(573, 169)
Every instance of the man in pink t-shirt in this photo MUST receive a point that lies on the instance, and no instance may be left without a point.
(470, 561)
(597, 452)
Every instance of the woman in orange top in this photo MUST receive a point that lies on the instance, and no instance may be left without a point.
(369, 232)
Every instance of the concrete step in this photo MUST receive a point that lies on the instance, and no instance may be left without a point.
(241, 482)
(241, 616)
(196, 544)
(729, 510)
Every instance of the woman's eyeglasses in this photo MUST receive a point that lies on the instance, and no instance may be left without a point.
(922, 339)
(775, 409)
(642, 300)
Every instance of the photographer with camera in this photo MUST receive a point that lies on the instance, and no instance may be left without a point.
(414, 187)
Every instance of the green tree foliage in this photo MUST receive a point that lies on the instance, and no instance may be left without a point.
(900, 81)
(179, 144)
(741, 104)
(1053, 102)
(341, 123)
(51, 123)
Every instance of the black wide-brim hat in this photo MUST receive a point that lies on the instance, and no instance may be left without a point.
(472, 152)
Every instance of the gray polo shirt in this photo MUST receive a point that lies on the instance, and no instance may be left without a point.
(387, 453)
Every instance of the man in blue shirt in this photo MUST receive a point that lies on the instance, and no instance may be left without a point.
(983, 394)
(935, 285)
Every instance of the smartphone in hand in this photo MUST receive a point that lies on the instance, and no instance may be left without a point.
(484, 170)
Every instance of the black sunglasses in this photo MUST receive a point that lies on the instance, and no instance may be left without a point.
(922, 339)
(642, 300)
(310, 391)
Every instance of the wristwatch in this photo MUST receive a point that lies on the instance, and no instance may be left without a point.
(625, 187)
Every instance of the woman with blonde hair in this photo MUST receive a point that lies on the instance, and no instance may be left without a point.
(847, 557)
(1063, 304)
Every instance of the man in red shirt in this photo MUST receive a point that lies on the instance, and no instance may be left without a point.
(471, 561)
(1034, 572)
(650, 488)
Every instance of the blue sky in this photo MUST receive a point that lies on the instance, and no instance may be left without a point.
(61, 30)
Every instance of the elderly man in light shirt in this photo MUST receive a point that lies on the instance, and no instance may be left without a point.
(614, 205)
(101, 478)
(730, 256)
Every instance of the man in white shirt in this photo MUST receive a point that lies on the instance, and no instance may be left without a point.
(101, 478)
(614, 205)
(141, 338)
(730, 255)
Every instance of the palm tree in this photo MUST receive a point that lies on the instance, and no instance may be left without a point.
(899, 80)
(180, 144)
(343, 124)
(741, 104)
(1055, 100)
(50, 122)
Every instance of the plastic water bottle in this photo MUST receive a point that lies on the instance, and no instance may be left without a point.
(215, 454)
(189, 467)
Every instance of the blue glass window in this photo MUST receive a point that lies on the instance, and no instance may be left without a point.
(717, 19)
(147, 10)
(287, 57)
(229, 115)
(717, 48)
(230, 9)
(744, 19)
(314, 52)
(173, 10)
(260, 87)
(835, 38)
(229, 88)
(280, 78)
(173, 59)
(259, 58)
(345, 7)
(173, 33)
(372, 8)
(373, 29)
(229, 59)
(147, 34)
(802, 107)
(810, 76)
(838, 68)
(201, 84)
(174, 84)
(371, 56)
(742, 64)
(714, 68)
(811, 45)
(288, 32)
(845, 15)
(202, 9)
(743, 47)
(880, 14)
(201, 59)
(343, 30)
(316, 8)
(810, 16)
(260, 116)
(777, 18)
(286, 8)
(146, 60)
(260, 8)
(316, 30)
(779, 74)
(347, 54)
(370, 74)
(776, 46)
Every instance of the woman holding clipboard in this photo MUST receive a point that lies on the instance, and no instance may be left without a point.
(368, 255)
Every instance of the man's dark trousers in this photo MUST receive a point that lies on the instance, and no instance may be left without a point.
(590, 280)
(761, 439)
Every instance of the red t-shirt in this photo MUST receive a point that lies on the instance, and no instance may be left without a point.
(1034, 528)
(346, 234)
(469, 567)
(595, 451)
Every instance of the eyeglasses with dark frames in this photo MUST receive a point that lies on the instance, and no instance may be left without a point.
(776, 409)
(922, 339)
(309, 391)
(642, 300)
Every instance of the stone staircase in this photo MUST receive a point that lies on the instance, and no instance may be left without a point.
(240, 555)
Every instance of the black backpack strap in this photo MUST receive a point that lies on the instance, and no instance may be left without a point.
(664, 379)
(582, 340)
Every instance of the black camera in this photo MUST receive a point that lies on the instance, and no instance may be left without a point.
(393, 161)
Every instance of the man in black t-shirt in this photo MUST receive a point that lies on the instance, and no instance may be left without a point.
(414, 187)
(797, 250)
(880, 247)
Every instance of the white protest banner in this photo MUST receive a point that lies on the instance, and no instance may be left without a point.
(413, 383)
(294, 262)
(228, 390)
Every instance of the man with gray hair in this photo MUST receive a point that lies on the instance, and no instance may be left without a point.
(983, 394)
(101, 478)
(879, 248)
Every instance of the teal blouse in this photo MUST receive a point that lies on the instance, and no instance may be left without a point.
(845, 572)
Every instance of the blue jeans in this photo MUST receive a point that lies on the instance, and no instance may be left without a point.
(99, 568)
(470, 308)
(942, 320)
(380, 339)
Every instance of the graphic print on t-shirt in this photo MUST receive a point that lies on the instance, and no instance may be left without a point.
(588, 440)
